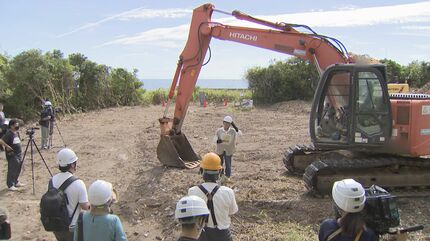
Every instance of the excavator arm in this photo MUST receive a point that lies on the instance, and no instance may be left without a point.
(174, 149)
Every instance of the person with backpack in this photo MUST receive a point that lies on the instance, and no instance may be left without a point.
(64, 190)
(220, 200)
(192, 213)
(349, 200)
(99, 224)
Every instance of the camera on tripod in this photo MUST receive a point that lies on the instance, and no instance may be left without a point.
(30, 131)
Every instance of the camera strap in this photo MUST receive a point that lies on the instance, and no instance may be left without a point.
(339, 230)
(334, 234)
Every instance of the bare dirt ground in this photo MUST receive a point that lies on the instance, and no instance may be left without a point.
(119, 145)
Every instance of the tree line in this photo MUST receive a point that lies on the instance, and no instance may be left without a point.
(77, 84)
(74, 83)
(297, 79)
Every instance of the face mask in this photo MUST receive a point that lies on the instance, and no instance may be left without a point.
(16, 128)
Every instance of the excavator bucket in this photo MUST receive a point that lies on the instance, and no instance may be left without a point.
(176, 150)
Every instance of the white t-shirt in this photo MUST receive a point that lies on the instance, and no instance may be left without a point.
(76, 193)
(224, 203)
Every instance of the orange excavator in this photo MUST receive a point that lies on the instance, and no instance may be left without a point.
(357, 128)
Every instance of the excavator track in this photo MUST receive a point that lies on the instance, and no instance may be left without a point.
(298, 157)
(403, 176)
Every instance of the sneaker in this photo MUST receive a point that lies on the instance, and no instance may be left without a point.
(13, 188)
(19, 184)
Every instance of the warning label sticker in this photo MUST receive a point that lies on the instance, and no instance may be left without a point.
(425, 110)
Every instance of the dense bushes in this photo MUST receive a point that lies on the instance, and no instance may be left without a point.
(74, 83)
(296, 79)
(282, 81)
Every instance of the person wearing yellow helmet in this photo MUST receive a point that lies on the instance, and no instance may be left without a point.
(220, 200)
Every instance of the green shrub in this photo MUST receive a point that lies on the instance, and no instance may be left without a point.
(282, 81)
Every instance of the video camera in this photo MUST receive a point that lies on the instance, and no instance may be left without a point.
(380, 211)
(30, 131)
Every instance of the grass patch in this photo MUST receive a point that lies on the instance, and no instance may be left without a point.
(156, 97)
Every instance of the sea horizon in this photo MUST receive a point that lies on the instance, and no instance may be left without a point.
(153, 84)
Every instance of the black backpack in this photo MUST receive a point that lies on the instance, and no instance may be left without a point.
(53, 207)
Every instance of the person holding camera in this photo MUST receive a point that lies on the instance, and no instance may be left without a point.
(46, 122)
(99, 224)
(349, 200)
(225, 138)
(12, 143)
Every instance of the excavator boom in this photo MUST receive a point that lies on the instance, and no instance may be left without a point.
(174, 149)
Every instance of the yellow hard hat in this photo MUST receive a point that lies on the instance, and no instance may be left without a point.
(211, 161)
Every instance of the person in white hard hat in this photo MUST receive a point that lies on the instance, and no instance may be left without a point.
(349, 200)
(192, 213)
(76, 192)
(45, 121)
(99, 224)
(225, 138)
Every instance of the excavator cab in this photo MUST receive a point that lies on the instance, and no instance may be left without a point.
(351, 108)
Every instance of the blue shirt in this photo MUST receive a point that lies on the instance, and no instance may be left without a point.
(101, 228)
(330, 225)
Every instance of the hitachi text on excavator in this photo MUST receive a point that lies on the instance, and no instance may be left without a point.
(357, 128)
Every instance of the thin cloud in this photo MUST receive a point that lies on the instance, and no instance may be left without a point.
(137, 13)
(157, 13)
(416, 27)
(396, 14)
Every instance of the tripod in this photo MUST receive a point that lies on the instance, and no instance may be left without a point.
(31, 142)
(51, 132)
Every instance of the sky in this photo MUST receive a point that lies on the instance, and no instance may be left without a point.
(150, 35)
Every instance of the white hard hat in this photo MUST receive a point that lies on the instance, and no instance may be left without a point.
(65, 157)
(191, 206)
(228, 119)
(48, 103)
(100, 192)
(349, 195)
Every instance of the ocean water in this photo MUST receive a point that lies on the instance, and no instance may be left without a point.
(153, 84)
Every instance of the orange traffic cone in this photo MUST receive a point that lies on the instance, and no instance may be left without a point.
(205, 103)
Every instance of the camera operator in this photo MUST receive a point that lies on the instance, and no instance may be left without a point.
(12, 142)
(5, 232)
(47, 123)
(349, 200)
